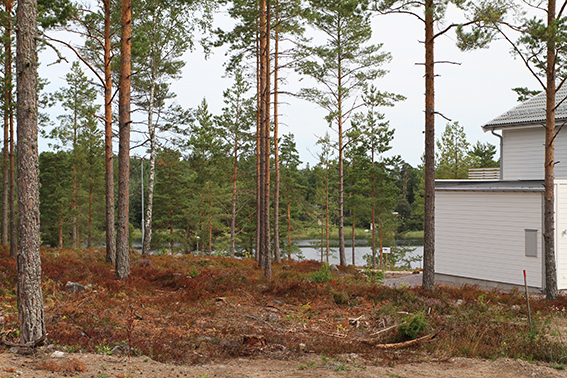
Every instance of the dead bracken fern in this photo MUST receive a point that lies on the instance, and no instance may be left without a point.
(71, 365)
(194, 309)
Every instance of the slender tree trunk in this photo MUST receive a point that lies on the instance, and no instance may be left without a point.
(234, 192)
(152, 131)
(327, 223)
(108, 154)
(258, 148)
(322, 242)
(7, 106)
(276, 152)
(122, 245)
(353, 239)
(549, 203)
(202, 222)
(342, 256)
(74, 204)
(74, 207)
(288, 228)
(13, 222)
(373, 197)
(210, 221)
(429, 217)
(171, 245)
(381, 246)
(90, 224)
(10, 109)
(30, 298)
(61, 228)
(374, 234)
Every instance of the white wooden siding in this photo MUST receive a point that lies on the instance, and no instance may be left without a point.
(561, 232)
(523, 152)
(480, 235)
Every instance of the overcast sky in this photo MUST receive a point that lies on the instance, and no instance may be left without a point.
(472, 93)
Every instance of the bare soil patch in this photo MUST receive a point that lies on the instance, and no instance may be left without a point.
(100, 366)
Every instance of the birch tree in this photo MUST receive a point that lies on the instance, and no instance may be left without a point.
(163, 33)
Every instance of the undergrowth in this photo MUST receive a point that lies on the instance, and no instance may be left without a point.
(193, 309)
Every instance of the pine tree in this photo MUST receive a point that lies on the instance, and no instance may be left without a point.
(77, 99)
(453, 153)
(343, 66)
(30, 298)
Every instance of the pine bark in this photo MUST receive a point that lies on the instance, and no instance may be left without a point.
(263, 211)
(429, 217)
(122, 239)
(258, 149)
(342, 255)
(30, 298)
(108, 154)
(13, 221)
(277, 255)
(8, 211)
(6, 153)
(549, 199)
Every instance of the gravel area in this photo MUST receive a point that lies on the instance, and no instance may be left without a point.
(405, 280)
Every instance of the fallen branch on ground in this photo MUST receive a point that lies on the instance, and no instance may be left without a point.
(423, 339)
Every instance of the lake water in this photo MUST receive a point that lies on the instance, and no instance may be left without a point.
(310, 252)
(361, 248)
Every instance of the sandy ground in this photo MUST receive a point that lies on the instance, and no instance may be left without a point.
(100, 366)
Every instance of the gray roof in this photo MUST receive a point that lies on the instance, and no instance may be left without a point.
(490, 185)
(531, 112)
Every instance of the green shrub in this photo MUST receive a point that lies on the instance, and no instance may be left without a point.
(322, 275)
(410, 329)
(375, 276)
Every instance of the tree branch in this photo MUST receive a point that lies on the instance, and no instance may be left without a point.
(93, 70)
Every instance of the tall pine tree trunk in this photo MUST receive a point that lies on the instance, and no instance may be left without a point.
(108, 154)
(152, 132)
(277, 256)
(258, 149)
(549, 199)
(429, 217)
(8, 232)
(30, 298)
(7, 106)
(342, 255)
(13, 222)
(264, 253)
(122, 239)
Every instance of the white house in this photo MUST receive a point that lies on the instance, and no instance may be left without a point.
(490, 231)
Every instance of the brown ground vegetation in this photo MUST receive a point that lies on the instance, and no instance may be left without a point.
(195, 309)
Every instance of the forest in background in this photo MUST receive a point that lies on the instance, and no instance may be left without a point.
(205, 165)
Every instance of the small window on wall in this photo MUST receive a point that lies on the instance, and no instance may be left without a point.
(531, 242)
